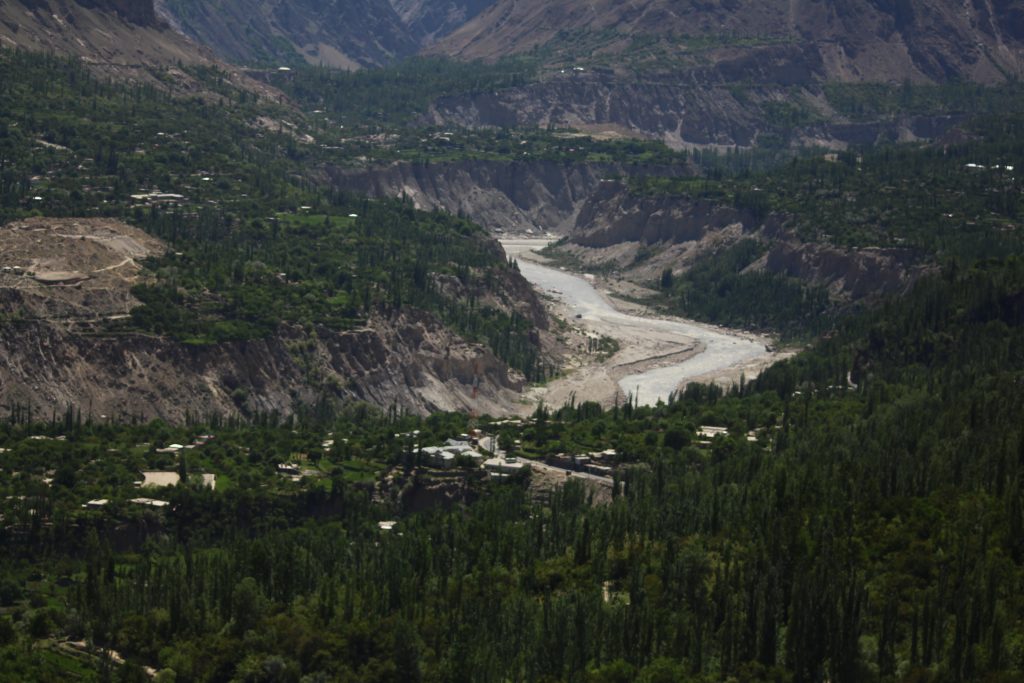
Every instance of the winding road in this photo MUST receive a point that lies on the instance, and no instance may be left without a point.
(657, 356)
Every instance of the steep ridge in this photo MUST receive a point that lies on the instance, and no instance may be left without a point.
(851, 40)
(345, 34)
(121, 38)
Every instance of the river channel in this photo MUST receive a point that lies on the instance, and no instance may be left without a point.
(657, 355)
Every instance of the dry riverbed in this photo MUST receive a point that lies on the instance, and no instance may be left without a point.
(657, 355)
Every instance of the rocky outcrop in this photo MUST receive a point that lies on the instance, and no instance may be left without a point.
(849, 274)
(139, 12)
(505, 196)
(121, 39)
(614, 215)
(432, 19)
(713, 73)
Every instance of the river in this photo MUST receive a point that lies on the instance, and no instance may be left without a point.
(658, 355)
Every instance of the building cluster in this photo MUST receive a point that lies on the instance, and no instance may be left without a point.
(596, 463)
(476, 450)
(448, 456)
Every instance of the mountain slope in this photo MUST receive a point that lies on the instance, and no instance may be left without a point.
(851, 40)
(433, 19)
(344, 34)
(119, 37)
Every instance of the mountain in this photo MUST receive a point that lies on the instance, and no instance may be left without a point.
(433, 19)
(344, 34)
(723, 72)
(119, 37)
(847, 40)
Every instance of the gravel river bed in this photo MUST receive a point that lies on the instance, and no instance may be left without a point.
(657, 355)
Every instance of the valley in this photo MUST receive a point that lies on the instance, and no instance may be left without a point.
(656, 356)
(491, 341)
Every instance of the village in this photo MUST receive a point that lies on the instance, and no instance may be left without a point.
(206, 463)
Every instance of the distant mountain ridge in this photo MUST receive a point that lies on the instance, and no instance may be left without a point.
(337, 33)
(854, 40)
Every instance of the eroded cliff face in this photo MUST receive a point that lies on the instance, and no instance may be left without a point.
(65, 283)
(349, 34)
(699, 109)
(642, 236)
(411, 362)
(610, 227)
(497, 195)
(119, 39)
(614, 215)
(501, 196)
(140, 12)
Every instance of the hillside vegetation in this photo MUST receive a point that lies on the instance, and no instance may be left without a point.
(257, 241)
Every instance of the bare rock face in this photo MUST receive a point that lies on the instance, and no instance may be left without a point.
(684, 110)
(509, 196)
(56, 348)
(411, 363)
(432, 19)
(501, 196)
(614, 215)
(849, 274)
(708, 72)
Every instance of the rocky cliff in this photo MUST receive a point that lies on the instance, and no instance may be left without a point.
(139, 12)
(429, 20)
(65, 284)
(714, 72)
(501, 196)
(411, 362)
